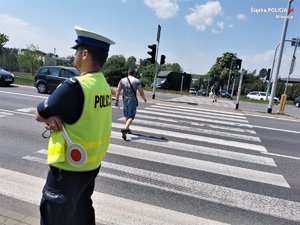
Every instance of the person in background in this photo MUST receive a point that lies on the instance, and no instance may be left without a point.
(81, 108)
(129, 85)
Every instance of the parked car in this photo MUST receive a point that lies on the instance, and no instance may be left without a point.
(225, 94)
(192, 91)
(297, 101)
(6, 78)
(260, 95)
(47, 78)
(202, 92)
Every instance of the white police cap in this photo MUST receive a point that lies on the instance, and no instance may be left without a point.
(89, 38)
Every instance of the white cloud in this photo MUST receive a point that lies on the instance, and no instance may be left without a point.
(22, 33)
(242, 17)
(202, 16)
(265, 60)
(221, 25)
(164, 9)
(263, 57)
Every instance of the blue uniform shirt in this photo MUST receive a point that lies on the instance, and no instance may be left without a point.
(66, 102)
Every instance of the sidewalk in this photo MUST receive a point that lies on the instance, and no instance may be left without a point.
(9, 217)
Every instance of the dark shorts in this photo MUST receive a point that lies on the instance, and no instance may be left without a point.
(129, 108)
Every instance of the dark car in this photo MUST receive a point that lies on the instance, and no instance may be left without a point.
(297, 101)
(225, 94)
(6, 78)
(47, 78)
(202, 92)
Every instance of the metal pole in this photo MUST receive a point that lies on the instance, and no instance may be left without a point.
(182, 77)
(229, 74)
(271, 75)
(292, 65)
(239, 90)
(285, 25)
(156, 64)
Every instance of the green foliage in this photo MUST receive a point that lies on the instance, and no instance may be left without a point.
(9, 59)
(221, 71)
(30, 59)
(114, 69)
(3, 40)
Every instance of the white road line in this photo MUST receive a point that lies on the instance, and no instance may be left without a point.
(4, 114)
(196, 129)
(200, 150)
(27, 110)
(214, 193)
(109, 209)
(194, 114)
(13, 93)
(282, 156)
(16, 112)
(219, 127)
(277, 129)
(211, 167)
(218, 141)
(205, 110)
(202, 112)
(194, 118)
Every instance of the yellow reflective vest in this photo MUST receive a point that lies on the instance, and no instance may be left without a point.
(92, 130)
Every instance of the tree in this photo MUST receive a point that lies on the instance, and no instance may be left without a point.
(3, 40)
(30, 59)
(222, 70)
(115, 69)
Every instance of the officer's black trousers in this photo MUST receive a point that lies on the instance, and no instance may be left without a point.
(66, 198)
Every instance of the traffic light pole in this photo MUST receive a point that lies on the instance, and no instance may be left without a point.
(156, 64)
(284, 30)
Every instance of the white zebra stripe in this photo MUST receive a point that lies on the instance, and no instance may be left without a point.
(109, 209)
(219, 127)
(194, 114)
(211, 167)
(197, 130)
(200, 150)
(218, 141)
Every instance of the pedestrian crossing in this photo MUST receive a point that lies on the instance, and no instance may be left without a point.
(202, 155)
(199, 100)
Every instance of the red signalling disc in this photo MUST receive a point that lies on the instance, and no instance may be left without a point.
(76, 155)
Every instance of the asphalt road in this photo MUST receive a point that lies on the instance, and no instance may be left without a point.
(196, 163)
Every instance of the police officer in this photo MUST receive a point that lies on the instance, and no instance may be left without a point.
(81, 108)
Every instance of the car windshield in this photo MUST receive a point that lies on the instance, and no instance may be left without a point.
(75, 71)
(160, 80)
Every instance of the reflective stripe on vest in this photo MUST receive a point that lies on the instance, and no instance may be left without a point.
(92, 130)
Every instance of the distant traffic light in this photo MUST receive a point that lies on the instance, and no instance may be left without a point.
(162, 59)
(237, 64)
(268, 74)
(152, 53)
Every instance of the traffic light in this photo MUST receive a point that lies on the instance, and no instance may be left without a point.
(162, 59)
(152, 53)
(268, 74)
(237, 64)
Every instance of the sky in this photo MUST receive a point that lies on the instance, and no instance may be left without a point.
(193, 32)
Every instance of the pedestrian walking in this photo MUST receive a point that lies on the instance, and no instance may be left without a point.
(129, 85)
(79, 111)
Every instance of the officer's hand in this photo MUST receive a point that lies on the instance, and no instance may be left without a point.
(53, 123)
(117, 103)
